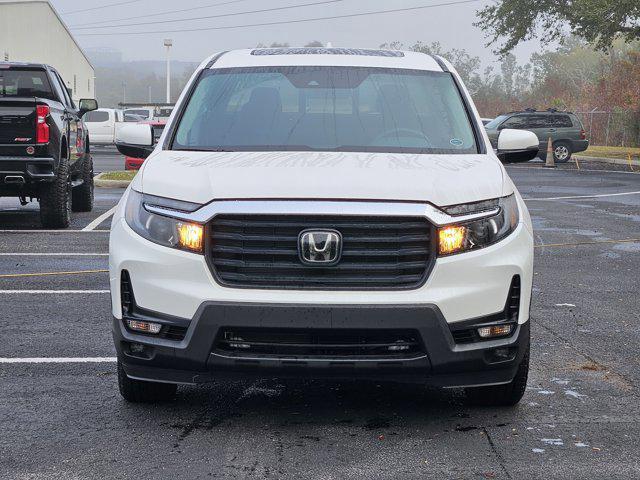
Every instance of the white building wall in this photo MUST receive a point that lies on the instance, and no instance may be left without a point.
(31, 31)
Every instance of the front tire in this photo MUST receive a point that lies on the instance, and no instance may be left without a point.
(55, 199)
(139, 391)
(562, 152)
(82, 195)
(506, 395)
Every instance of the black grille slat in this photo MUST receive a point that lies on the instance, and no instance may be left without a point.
(378, 252)
(261, 251)
(294, 238)
(344, 266)
(364, 280)
(222, 222)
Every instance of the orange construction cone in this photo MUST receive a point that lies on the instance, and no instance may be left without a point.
(551, 162)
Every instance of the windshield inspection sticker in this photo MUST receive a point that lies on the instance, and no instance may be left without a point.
(456, 142)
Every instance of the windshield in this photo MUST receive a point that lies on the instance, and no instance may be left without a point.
(493, 124)
(326, 109)
(25, 83)
(143, 114)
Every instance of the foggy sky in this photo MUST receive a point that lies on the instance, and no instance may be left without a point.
(452, 26)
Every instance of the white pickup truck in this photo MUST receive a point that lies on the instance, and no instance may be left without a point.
(103, 125)
(323, 213)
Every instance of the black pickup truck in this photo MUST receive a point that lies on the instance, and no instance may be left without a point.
(44, 145)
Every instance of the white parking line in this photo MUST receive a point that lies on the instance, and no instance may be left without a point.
(581, 196)
(52, 292)
(59, 360)
(30, 254)
(100, 219)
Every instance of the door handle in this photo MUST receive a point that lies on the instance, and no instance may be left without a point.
(552, 129)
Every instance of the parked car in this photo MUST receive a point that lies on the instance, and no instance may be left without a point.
(323, 213)
(163, 113)
(486, 120)
(44, 144)
(564, 128)
(134, 163)
(102, 125)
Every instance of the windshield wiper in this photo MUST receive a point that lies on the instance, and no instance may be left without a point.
(198, 149)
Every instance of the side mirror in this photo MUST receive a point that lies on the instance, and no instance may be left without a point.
(135, 140)
(87, 105)
(516, 146)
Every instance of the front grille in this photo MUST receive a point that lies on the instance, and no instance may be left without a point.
(261, 251)
(308, 343)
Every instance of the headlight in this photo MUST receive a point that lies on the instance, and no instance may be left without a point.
(162, 230)
(462, 237)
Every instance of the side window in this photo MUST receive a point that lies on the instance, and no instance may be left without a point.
(562, 121)
(67, 98)
(537, 121)
(575, 121)
(519, 122)
(59, 89)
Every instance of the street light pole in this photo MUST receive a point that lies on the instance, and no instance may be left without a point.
(168, 43)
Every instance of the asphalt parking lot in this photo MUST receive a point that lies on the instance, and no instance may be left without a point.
(578, 419)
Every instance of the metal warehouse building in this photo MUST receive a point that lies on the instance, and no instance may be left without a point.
(32, 31)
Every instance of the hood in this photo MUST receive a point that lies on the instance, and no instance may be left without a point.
(201, 177)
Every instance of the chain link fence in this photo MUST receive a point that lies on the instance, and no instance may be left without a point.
(612, 128)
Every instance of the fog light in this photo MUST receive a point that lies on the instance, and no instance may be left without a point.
(451, 239)
(136, 348)
(495, 331)
(145, 327)
(190, 236)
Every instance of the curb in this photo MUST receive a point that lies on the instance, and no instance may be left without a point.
(101, 183)
(614, 161)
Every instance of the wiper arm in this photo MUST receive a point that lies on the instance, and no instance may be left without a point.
(198, 149)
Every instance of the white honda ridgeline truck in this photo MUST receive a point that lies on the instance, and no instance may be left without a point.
(323, 213)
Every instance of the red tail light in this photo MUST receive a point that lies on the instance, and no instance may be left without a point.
(583, 134)
(42, 129)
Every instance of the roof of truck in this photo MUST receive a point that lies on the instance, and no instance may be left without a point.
(23, 64)
(350, 57)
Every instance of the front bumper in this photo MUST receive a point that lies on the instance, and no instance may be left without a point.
(461, 288)
(440, 362)
(580, 145)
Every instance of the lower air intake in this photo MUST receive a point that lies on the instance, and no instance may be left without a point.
(330, 344)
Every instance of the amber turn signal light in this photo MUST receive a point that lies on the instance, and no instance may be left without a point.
(190, 236)
(451, 239)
